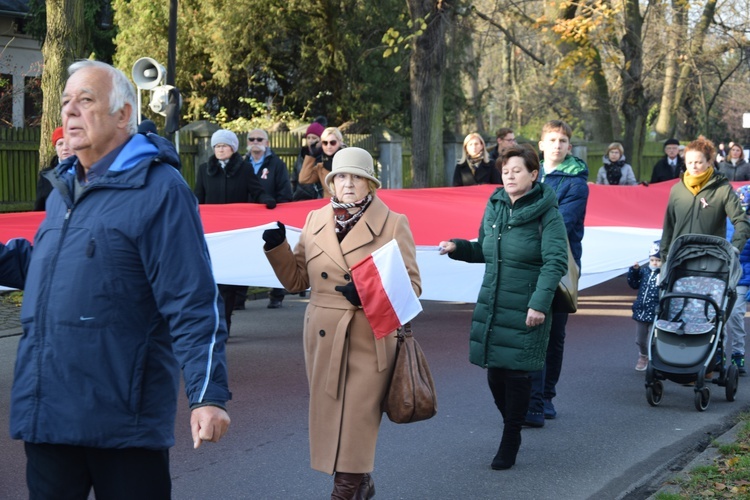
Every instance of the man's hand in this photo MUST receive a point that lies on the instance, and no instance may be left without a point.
(208, 423)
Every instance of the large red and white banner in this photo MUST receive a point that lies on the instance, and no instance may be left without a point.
(621, 224)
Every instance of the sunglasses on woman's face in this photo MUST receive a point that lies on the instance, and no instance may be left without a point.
(332, 143)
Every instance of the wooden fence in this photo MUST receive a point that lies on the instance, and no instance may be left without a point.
(19, 158)
(19, 164)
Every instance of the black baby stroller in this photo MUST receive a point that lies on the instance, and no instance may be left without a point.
(698, 291)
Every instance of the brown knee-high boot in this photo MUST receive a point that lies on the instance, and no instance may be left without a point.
(345, 485)
(366, 489)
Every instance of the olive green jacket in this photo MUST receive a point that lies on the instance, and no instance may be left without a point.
(704, 213)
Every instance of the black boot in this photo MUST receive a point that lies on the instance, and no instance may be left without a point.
(366, 489)
(346, 485)
(505, 458)
(517, 394)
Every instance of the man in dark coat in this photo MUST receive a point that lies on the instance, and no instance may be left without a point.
(273, 175)
(671, 166)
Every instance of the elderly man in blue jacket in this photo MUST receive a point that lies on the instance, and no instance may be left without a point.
(118, 295)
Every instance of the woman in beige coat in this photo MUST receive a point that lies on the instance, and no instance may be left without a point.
(347, 368)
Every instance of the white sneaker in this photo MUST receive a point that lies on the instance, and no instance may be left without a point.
(642, 363)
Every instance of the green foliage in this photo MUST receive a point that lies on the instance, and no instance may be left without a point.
(99, 28)
(303, 58)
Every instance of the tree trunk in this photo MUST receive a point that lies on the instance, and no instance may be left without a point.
(426, 85)
(64, 43)
(665, 123)
(634, 104)
(694, 49)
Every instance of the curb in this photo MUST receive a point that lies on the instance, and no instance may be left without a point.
(707, 457)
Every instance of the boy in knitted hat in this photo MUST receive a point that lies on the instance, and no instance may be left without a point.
(646, 281)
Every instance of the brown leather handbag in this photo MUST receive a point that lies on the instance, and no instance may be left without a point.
(411, 394)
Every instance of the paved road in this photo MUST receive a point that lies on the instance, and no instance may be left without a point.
(606, 441)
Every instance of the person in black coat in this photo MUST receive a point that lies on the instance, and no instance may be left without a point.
(273, 175)
(227, 178)
(671, 166)
(475, 167)
(310, 148)
(43, 186)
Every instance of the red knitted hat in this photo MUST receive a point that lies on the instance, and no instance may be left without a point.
(57, 135)
(315, 128)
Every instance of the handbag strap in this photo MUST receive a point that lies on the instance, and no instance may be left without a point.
(404, 331)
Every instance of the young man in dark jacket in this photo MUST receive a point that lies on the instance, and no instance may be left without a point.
(568, 177)
(118, 295)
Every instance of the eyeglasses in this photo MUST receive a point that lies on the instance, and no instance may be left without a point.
(256, 139)
(222, 146)
(332, 143)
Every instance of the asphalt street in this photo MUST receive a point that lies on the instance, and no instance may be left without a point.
(606, 443)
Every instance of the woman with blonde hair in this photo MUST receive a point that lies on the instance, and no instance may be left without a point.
(316, 167)
(734, 167)
(475, 167)
(615, 172)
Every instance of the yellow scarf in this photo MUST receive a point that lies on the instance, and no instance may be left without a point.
(695, 183)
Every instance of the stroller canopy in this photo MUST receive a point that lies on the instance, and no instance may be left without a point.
(693, 246)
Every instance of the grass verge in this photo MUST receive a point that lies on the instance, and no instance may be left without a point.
(728, 477)
(14, 298)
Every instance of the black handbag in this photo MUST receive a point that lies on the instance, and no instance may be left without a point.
(410, 396)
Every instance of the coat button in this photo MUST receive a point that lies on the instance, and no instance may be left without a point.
(324, 275)
(347, 277)
(322, 333)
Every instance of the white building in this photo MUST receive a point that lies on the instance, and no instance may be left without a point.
(20, 60)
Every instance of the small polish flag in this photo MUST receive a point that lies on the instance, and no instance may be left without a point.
(385, 290)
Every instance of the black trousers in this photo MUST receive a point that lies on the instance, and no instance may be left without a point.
(64, 472)
(229, 296)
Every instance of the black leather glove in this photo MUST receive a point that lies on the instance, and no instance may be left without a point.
(350, 292)
(316, 149)
(274, 237)
(270, 204)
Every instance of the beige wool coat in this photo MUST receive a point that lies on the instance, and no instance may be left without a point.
(313, 171)
(347, 368)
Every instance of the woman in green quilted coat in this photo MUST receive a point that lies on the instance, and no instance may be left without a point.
(523, 243)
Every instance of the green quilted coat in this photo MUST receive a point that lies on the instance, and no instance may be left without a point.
(525, 251)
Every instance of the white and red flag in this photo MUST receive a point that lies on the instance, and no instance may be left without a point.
(385, 290)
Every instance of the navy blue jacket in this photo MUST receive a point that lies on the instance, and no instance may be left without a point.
(118, 295)
(645, 281)
(744, 258)
(570, 182)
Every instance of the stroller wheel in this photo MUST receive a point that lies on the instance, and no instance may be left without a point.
(733, 380)
(654, 393)
(702, 398)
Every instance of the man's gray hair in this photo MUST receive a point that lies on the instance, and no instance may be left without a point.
(122, 93)
(265, 134)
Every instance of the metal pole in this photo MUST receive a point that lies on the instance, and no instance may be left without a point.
(172, 43)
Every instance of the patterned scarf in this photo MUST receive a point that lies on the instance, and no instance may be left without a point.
(346, 220)
(614, 172)
(696, 183)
